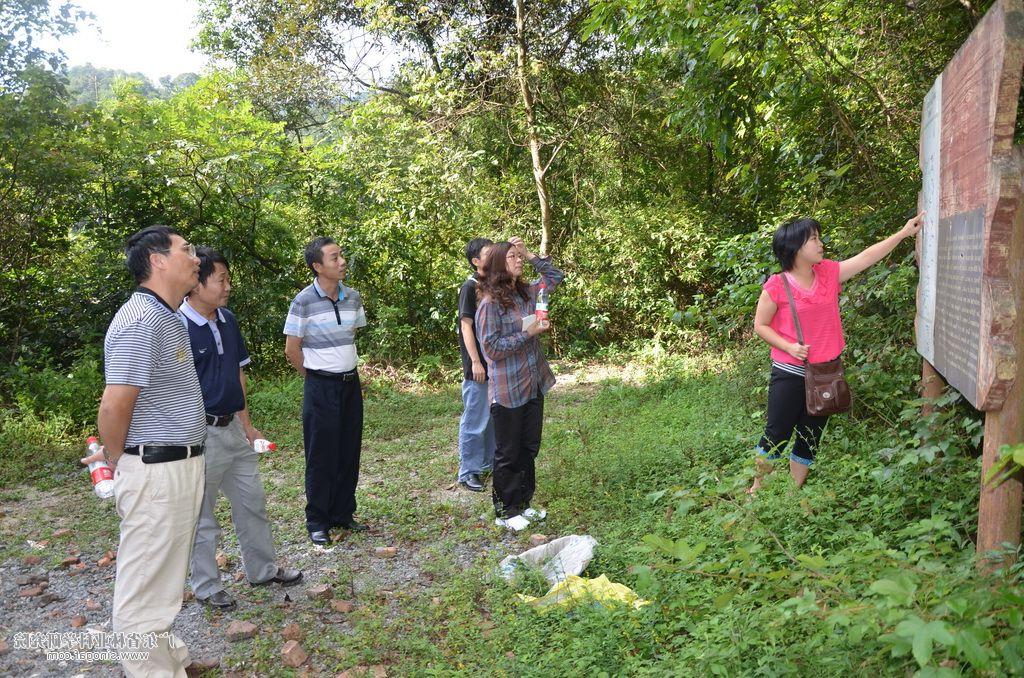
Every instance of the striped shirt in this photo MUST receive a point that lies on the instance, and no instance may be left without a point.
(327, 327)
(147, 346)
(790, 368)
(516, 367)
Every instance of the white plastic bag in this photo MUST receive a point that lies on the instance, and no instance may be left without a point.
(557, 560)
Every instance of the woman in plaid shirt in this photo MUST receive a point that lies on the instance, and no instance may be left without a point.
(518, 375)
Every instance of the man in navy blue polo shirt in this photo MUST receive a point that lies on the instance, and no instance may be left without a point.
(219, 352)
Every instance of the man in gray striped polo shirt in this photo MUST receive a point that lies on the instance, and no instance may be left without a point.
(152, 424)
(320, 333)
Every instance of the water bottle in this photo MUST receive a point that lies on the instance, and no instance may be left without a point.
(542, 303)
(102, 476)
(262, 445)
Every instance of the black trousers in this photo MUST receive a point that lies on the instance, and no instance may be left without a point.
(517, 433)
(332, 432)
(787, 417)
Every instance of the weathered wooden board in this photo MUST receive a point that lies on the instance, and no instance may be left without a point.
(970, 194)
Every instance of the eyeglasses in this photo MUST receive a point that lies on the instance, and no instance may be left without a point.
(188, 247)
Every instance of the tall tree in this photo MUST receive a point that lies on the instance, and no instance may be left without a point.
(450, 60)
(540, 167)
(24, 27)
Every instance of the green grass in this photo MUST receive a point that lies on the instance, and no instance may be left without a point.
(37, 450)
(860, 572)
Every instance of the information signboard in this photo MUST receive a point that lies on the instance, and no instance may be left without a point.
(971, 187)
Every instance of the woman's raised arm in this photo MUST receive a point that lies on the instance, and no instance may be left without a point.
(872, 255)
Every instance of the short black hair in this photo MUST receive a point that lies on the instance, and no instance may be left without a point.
(208, 260)
(141, 244)
(790, 237)
(473, 248)
(314, 253)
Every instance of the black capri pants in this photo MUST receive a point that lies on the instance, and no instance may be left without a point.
(788, 418)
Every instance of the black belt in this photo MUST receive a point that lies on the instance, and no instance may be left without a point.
(158, 454)
(351, 375)
(219, 419)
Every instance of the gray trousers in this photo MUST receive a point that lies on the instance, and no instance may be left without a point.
(231, 466)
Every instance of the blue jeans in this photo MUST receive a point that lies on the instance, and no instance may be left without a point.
(476, 431)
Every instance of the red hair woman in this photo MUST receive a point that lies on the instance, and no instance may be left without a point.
(518, 374)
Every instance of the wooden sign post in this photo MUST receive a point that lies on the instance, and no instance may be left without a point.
(970, 248)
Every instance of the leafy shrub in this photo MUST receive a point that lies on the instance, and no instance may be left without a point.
(37, 448)
(70, 394)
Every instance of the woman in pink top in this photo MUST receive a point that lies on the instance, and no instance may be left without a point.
(815, 283)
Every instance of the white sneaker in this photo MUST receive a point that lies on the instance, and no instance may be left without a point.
(515, 523)
(535, 514)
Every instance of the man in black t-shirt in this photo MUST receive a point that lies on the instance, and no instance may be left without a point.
(476, 432)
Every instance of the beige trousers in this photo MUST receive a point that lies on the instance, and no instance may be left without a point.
(158, 505)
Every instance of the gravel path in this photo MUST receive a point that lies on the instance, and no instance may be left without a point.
(77, 599)
(44, 592)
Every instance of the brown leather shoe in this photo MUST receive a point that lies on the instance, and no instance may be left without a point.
(285, 577)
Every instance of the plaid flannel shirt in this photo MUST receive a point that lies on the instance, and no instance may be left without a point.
(516, 367)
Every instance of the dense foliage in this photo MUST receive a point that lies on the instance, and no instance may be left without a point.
(91, 85)
(673, 138)
(868, 570)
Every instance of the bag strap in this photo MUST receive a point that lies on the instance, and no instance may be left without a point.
(792, 309)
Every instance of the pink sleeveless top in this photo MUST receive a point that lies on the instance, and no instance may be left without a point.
(818, 309)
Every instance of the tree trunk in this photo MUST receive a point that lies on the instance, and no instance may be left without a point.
(532, 137)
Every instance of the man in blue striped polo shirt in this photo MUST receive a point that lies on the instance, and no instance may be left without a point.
(320, 333)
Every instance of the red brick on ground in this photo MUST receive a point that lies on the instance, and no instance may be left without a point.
(241, 630)
(320, 592)
(293, 655)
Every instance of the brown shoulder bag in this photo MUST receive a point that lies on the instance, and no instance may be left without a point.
(825, 389)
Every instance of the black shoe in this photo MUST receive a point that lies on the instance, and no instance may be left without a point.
(320, 537)
(472, 483)
(355, 526)
(218, 601)
(284, 576)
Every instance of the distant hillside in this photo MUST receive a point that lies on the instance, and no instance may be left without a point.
(91, 84)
